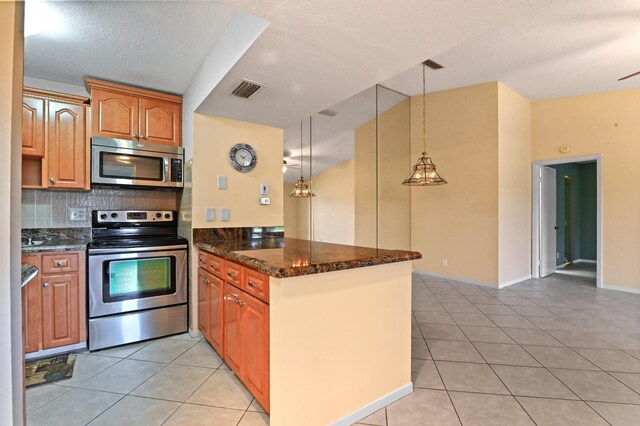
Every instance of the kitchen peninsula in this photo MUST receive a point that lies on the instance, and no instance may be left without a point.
(329, 324)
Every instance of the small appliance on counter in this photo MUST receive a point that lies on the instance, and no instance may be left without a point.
(137, 277)
(117, 162)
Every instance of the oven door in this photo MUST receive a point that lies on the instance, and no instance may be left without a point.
(126, 282)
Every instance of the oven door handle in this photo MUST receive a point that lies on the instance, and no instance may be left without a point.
(135, 249)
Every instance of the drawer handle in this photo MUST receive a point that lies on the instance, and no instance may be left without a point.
(254, 285)
(45, 285)
(60, 263)
(241, 303)
(231, 274)
(214, 266)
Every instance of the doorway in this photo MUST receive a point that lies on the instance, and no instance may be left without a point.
(567, 218)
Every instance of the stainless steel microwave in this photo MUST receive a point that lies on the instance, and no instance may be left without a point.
(117, 162)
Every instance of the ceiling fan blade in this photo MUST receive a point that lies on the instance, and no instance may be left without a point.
(629, 76)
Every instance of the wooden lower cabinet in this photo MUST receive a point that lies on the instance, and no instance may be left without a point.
(235, 323)
(53, 303)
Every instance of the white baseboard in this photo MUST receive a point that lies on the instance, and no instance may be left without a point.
(374, 406)
(585, 261)
(619, 288)
(516, 281)
(55, 351)
(452, 278)
(467, 281)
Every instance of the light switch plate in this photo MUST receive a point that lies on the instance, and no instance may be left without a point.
(224, 214)
(222, 182)
(210, 214)
(77, 214)
(264, 188)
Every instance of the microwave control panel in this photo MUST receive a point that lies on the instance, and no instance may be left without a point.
(176, 170)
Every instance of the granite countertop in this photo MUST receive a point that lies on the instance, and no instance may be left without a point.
(29, 272)
(290, 257)
(55, 239)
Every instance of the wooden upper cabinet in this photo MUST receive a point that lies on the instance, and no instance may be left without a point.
(33, 126)
(160, 121)
(67, 159)
(131, 113)
(115, 115)
(54, 140)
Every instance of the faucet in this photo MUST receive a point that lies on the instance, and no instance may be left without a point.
(28, 240)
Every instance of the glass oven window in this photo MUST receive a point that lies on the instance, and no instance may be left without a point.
(124, 166)
(138, 278)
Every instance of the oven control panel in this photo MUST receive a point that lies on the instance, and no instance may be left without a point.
(136, 216)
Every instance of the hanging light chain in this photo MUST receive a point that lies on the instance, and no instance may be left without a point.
(424, 110)
(301, 154)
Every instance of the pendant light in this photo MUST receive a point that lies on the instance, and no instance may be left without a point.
(424, 172)
(302, 189)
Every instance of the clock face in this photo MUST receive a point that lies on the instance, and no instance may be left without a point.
(243, 157)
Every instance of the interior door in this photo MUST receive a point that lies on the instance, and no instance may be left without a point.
(548, 224)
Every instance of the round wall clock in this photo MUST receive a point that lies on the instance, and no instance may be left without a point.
(243, 157)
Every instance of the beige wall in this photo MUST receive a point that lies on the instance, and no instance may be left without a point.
(296, 215)
(11, 356)
(514, 186)
(607, 124)
(344, 329)
(458, 221)
(334, 205)
(365, 185)
(382, 204)
(213, 138)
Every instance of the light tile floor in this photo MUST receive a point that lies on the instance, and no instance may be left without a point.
(555, 351)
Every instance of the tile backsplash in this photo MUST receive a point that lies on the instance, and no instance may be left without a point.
(51, 209)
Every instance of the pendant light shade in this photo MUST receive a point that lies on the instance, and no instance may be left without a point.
(424, 172)
(302, 188)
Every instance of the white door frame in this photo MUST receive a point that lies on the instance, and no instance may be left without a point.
(535, 214)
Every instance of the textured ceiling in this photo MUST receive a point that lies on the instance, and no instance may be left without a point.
(569, 48)
(158, 45)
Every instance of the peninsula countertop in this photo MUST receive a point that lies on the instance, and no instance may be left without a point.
(290, 257)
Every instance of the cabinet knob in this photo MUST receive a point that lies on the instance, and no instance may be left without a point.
(142, 137)
(45, 285)
(241, 303)
(135, 136)
(60, 263)
(52, 180)
(254, 285)
(214, 266)
(231, 274)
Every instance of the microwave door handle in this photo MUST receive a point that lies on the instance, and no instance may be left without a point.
(165, 176)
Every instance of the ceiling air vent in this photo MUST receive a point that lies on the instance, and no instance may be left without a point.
(432, 64)
(328, 113)
(246, 88)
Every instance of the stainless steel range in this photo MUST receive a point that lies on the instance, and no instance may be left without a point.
(137, 267)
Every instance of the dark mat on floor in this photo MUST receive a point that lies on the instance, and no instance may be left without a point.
(47, 370)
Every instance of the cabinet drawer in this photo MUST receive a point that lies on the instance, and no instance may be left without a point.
(215, 265)
(203, 259)
(59, 262)
(256, 284)
(233, 274)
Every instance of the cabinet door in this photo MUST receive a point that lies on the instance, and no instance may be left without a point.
(255, 317)
(203, 303)
(216, 315)
(233, 349)
(60, 305)
(114, 115)
(67, 146)
(160, 121)
(32, 309)
(33, 127)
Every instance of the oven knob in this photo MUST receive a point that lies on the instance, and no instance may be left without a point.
(114, 215)
(167, 216)
(103, 216)
(158, 215)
